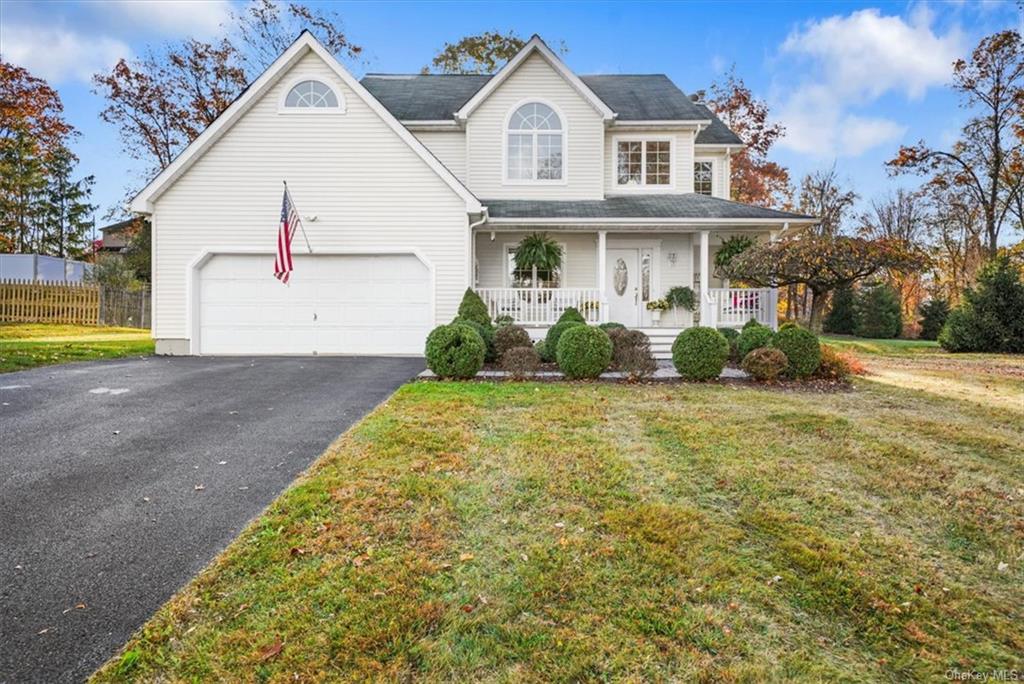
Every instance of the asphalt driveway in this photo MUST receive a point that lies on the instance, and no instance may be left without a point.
(120, 480)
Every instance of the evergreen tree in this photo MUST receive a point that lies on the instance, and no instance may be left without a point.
(66, 211)
(933, 316)
(842, 318)
(22, 184)
(879, 314)
(991, 316)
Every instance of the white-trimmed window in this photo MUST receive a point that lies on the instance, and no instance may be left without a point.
(311, 95)
(704, 177)
(643, 162)
(531, 277)
(535, 144)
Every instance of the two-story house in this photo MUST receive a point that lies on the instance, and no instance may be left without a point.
(412, 188)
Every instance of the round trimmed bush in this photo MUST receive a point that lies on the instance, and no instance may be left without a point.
(765, 364)
(510, 337)
(611, 325)
(583, 352)
(751, 323)
(455, 351)
(835, 365)
(551, 339)
(733, 335)
(753, 337)
(631, 353)
(520, 362)
(700, 353)
(571, 314)
(541, 347)
(801, 347)
(486, 334)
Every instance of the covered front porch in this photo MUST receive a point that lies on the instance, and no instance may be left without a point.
(613, 274)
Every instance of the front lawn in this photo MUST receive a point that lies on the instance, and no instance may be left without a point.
(889, 347)
(537, 532)
(27, 345)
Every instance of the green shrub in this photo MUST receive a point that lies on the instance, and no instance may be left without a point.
(682, 297)
(455, 351)
(750, 324)
(700, 353)
(608, 327)
(933, 316)
(520, 362)
(842, 317)
(486, 334)
(571, 314)
(551, 339)
(801, 347)
(472, 308)
(765, 363)
(583, 352)
(503, 319)
(509, 337)
(730, 333)
(733, 336)
(753, 337)
(991, 316)
(631, 353)
(878, 313)
(541, 347)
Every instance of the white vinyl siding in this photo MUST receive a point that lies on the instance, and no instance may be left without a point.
(449, 147)
(535, 80)
(368, 189)
(722, 169)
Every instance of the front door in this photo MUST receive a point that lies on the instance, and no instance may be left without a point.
(622, 286)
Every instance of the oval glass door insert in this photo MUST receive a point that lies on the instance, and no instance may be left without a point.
(620, 278)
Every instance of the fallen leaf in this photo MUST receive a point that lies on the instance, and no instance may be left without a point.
(466, 557)
(1002, 567)
(199, 487)
(80, 606)
(467, 608)
(271, 650)
(296, 551)
(43, 631)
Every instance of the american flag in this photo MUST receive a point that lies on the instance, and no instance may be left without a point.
(290, 222)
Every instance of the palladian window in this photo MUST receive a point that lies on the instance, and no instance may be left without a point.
(536, 144)
(311, 95)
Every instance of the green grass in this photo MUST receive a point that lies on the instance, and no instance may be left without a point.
(27, 345)
(882, 347)
(568, 532)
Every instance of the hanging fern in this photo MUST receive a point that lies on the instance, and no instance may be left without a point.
(538, 250)
(682, 297)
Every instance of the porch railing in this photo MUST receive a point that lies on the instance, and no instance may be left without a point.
(732, 307)
(541, 306)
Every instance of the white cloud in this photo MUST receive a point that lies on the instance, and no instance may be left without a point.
(849, 62)
(67, 56)
(177, 18)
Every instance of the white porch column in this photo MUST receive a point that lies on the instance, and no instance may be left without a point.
(705, 279)
(602, 263)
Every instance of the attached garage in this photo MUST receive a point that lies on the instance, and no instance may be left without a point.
(335, 304)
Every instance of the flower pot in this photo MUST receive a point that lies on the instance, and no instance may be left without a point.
(656, 317)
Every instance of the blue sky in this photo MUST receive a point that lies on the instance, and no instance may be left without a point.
(850, 81)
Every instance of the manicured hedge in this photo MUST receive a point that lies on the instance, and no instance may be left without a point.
(550, 350)
(611, 325)
(801, 347)
(473, 308)
(631, 353)
(583, 352)
(753, 337)
(520, 362)
(455, 351)
(486, 333)
(700, 353)
(571, 314)
(510, 337)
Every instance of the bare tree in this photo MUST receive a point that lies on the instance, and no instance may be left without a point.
(822, 194)
(900, 218)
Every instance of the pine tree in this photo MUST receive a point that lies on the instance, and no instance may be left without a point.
(67, 213)
(22, 183)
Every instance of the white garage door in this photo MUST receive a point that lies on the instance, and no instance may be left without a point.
(362, 304)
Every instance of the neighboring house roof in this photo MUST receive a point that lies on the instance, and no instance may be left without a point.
(304, 44)
(633, 97)
(690, 207)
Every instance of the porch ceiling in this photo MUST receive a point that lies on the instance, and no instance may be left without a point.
(688, 208)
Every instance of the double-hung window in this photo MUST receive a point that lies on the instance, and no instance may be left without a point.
(535, 147)
(703, 177)
(643, 163)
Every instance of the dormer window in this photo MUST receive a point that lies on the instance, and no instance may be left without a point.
(310, 95)
(643, 162)
(535, 144)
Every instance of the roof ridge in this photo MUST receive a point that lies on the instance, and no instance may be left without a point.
(412, 73)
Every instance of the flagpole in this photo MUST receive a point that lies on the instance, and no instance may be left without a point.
(303, 227)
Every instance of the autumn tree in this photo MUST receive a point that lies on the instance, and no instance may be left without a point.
(823, 195)
(483, 53)
(991, 86)
(163, 101)
(754, 178)
(28, 105)
(821, 263)
(954, 229)
(901, 218)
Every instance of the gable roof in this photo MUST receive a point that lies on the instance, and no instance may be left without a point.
(717, 133)
(535, 46)
(303, 45)
(644, 97)
(424, 97)
(683, 208)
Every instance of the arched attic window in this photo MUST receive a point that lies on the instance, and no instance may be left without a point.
(535, 144)
(311, 95)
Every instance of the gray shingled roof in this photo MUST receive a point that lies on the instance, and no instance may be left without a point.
(690, 205)
(646, 97)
